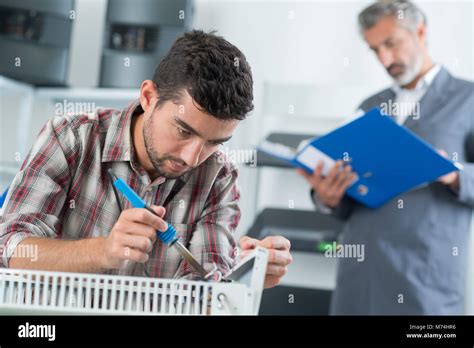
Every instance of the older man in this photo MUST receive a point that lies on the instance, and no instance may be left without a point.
(416, 244)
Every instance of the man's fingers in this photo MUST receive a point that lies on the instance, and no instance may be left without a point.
(333, 173)
(248, 243)
(313, 178)
(278, 248)
(346, 183)
(343, 176)
(145, 217)
(276, 257)
(276, 270)
(271, 281)
(316, 178)
(318, 170)
(161, 211)
(340, 177)
(279, 257)
(144, 244)
(136, 228)
(135, 255)
(275, 242)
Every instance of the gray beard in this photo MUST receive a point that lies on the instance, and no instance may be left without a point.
(412, 72)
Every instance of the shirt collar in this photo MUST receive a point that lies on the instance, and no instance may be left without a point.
(423, 83)
(117, 145)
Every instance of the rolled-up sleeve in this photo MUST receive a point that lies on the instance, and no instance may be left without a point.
(38, 192)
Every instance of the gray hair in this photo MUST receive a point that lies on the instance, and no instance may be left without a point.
(407, 13)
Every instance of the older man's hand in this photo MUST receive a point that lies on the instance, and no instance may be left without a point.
(450, 179)
(279, 256)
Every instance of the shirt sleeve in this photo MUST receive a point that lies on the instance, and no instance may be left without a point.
(213, 242)
(37, 194)
(342, 211)
(320, 206)
(465, 194)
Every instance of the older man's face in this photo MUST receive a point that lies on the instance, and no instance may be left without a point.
(397, 48)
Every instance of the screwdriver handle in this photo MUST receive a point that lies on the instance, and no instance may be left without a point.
(168, 236)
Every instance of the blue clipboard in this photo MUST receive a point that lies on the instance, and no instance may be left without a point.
(388, 159)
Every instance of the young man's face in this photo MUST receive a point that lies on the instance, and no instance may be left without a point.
(179, 136)
(397, 48)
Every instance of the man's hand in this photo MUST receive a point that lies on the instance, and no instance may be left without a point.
(331, 188)
(132, 237)
(279, 256)
(451, 179)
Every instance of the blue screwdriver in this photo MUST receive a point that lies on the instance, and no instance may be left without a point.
(169, 236)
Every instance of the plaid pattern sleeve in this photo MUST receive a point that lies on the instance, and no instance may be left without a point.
(37, 194)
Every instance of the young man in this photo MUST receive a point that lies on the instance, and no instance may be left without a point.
(165, 146)
(416, 244)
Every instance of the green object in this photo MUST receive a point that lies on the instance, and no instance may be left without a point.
(324, 246)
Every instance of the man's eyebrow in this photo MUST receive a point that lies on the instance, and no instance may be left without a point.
(186, 126)
(222, 140)
(384, 42)
(376, 47)
(195, 132)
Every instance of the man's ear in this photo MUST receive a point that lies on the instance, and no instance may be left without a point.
(148, 95)
(421, 33)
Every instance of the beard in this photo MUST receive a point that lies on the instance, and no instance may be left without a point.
(408, 72)
(158, 161)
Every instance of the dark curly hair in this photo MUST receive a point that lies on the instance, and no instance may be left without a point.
(214, 72)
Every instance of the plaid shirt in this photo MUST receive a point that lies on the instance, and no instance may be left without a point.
(63, 191)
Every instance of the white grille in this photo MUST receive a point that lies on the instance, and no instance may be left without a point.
(42, 292)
